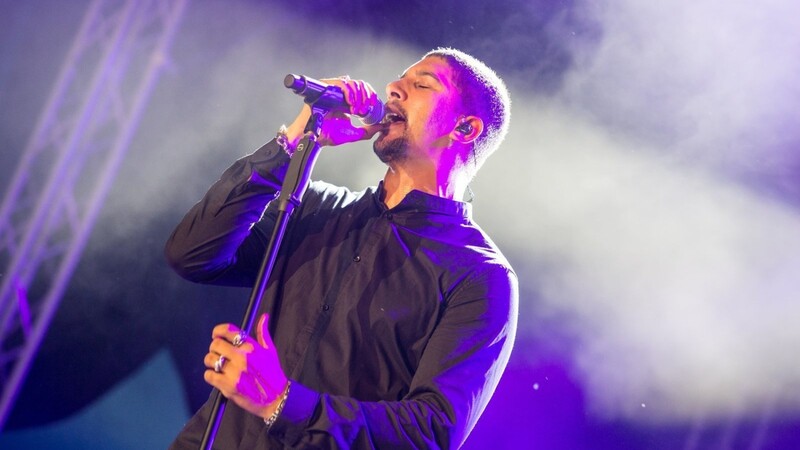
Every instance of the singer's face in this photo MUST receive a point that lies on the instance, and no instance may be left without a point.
(422, 106)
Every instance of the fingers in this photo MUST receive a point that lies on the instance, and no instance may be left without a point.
(225, 365)
(230, 341)
(224, 383)
(360, 100)
(230, 333)
(365, 98)
(351, 94)
(226, 331)
(211, 359)
(337, 128)
(221, 361)
(228, 349)
(222, 379)
(357, 93)
(262, 332)
(250, 375)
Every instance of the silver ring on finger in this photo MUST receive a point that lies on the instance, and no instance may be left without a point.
(239, 339)
(218, 365)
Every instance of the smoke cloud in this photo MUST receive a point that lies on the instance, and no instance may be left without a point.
(640, 196)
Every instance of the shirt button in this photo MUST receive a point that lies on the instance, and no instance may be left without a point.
(389, 216)
(356, 258)
(326, 307)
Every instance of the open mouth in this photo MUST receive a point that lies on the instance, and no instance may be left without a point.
(392, 117)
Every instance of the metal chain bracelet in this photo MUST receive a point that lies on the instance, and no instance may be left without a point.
(269, 421)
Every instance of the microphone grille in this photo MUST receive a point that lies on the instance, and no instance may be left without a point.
(374, 115)
(294, 82)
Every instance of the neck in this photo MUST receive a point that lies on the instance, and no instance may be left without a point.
(402, 178)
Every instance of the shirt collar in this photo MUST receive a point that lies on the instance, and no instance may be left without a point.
(418, 201)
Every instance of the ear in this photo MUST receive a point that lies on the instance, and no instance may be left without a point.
(467, 129)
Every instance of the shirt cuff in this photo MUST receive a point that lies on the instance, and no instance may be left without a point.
(296, 415)
(269, 151)
(269, 161)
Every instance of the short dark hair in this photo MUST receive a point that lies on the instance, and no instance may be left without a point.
(483, 94)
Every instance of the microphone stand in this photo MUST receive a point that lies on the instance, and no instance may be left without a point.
(292, 190)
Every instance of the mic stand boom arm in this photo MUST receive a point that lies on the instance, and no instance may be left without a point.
(294, 186)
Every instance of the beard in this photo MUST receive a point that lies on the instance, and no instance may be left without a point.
(392, 150)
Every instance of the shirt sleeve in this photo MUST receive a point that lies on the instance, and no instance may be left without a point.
(457, 375)
(209, 245)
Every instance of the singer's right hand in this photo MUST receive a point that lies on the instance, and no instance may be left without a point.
(337, 128)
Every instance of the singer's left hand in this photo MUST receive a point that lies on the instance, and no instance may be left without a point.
(251, 375)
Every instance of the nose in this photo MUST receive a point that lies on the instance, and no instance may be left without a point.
(395, 91)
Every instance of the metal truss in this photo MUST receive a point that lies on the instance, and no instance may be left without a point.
(68, 166)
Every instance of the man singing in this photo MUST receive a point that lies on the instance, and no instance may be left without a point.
(390, 315)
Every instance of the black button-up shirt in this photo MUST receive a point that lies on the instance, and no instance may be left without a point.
(394, 325)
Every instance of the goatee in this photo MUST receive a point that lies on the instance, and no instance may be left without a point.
(393, 150)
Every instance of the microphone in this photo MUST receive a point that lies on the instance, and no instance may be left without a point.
(330, 97)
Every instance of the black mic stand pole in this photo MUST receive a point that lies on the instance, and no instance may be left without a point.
(294, 185)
